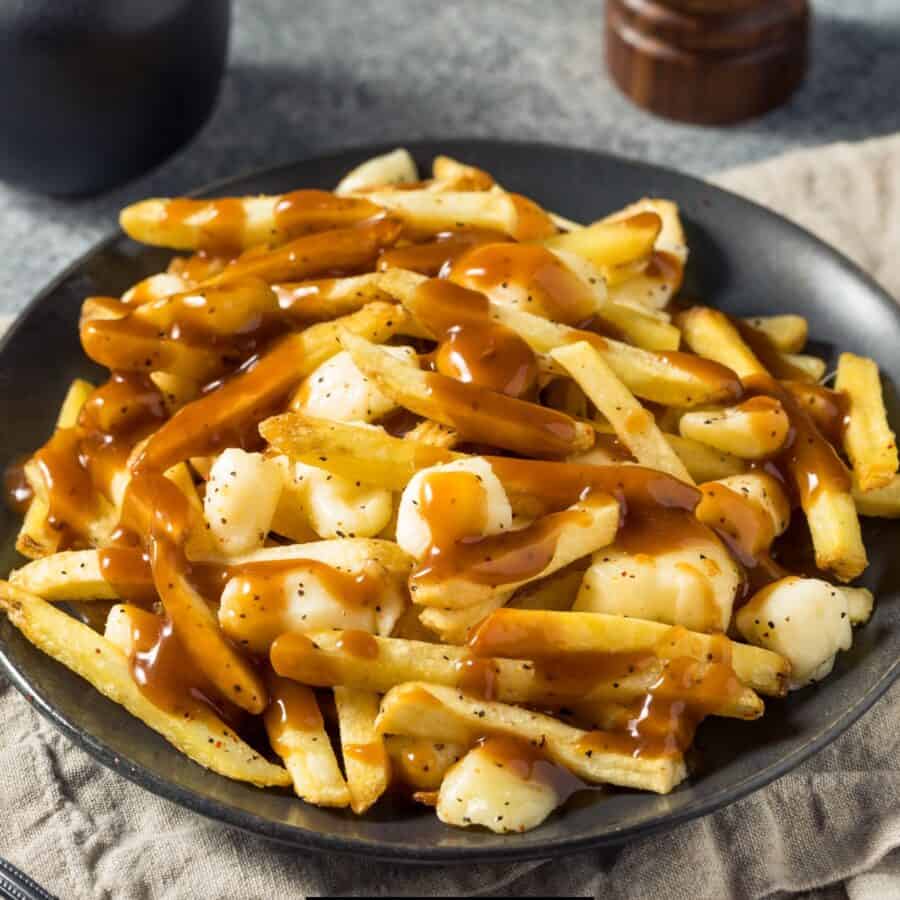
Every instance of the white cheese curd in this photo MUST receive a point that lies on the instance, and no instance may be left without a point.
(241, 496)
(413, 531)
(804, 619)
(692, 586)
(479, 791)
(338, 390)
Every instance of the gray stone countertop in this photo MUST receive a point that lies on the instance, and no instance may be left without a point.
(316, 75)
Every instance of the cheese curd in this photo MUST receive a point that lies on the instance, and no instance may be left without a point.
(413, 530)
(804, 619)
(693, 586)
(338, 390)
(480, 791)
(241, 496)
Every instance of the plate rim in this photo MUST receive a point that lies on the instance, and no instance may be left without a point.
(304, 838)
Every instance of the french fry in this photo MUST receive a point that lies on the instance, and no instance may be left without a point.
(254, 391)
(433, 434)
(703, 462)
(557, 591)
(455, 625)
(213, 654)
(36, 537)
(306, 302)
(608, 244)
(440, 713)
(834, 526)
(670, 378)
(526, 633)
(755, 429)
(430, 212)
(396, 167)
(297, 733)
(671, 237)
(575, 533)
(365, 758)
(635, 426)
(69, 575)
(709, 333)
(315, 255)
(200, 735)
(238, 223)
(472, 411)
(868, 440)
(663, 377)
(365, 453)
(882, 503)
(462, 176)
(645, 328)
(812, 368)
(787, 333)
(323, 659)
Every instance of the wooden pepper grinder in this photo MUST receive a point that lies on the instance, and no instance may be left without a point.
(711, 62)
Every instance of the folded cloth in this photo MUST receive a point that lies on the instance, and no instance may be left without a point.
(831, 827)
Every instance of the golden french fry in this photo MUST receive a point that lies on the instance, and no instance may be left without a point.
(430, 212)
(365, 453)
(640, 326)
(788, 333)
(70, 575)
(666, 377)
(557, 591)
(475, 413)
(464, 177)
(526, 633)
(306, 302)
(365, 758)
(671, 238)
(367, 662)
(433, 434)
(811, 368)
(754, 429)
(314, 255)
(199, 734)
(501, 567)
(634, 425)
(868, 440)
(37, 537)
(440, 713)
(608, 244)
(238, 223)
(297, 734)
(455, 625)
(396, 167)
(213, 654)
(703, 462)
(834, 526)
(252, 393)
(882, 503)
(710, 334)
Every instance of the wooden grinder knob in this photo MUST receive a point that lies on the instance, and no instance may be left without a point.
(707, 61)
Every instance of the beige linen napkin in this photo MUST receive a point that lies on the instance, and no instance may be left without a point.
(830, 827)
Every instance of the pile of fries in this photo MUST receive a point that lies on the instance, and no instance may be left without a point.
(449, 493)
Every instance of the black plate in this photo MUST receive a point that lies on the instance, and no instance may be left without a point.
(745, 260)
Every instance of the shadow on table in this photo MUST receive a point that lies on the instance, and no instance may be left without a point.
(851, 88)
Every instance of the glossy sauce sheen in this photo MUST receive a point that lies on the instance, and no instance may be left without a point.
(433, 258)
(807, 460)
(18, 493)
(472, 347)
(531, 271)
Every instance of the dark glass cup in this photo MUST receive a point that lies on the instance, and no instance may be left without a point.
(97, 91)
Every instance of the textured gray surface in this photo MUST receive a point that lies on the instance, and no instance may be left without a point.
(321, 74)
